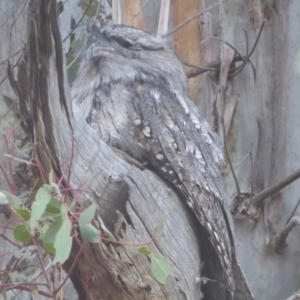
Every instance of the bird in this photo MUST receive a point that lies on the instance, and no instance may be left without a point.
(132, 89)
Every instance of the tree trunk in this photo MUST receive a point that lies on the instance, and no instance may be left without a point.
(260, 118)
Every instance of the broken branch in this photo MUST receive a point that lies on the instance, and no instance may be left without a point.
(260, 197)
(281, 239)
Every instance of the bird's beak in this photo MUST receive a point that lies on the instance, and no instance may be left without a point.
(99, 51)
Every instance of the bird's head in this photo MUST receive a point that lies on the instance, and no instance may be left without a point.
(119, 50)
(125, 41)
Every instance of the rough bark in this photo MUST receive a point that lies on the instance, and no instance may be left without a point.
(142, 199)
(14, 37)
(261, 114)
(261, 110)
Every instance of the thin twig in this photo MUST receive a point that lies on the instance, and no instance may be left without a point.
(76, 57)
(241, 161)
(257, 39)
(23, 283)
(247, 57)
(13, 13)
(240, 57)
(198, 68)
(281, 239)
(213, 64)
(53, 276)
(226, 148)
(16, 64)
(76, 25)
(136, 14)
(228, 44)
(42, 264)
(245, 60)
(71, 164)
(293, 212)
(10, 163)
(192, 18)
(60, 280)
(15, 20)
(11, 186)
(24, 288)
(141, 8)
(97, 11)
(260, 197)
(78, 54)
(70, 271)
(247, 42)
(9, 240)
(252, 180)
(5, 60)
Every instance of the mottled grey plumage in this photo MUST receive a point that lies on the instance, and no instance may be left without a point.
(133, 90)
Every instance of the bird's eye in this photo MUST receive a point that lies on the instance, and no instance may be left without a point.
(122, 41)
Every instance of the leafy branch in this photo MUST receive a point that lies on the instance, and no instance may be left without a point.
(52, 225)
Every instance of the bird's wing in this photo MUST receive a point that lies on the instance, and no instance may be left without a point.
(183, 149)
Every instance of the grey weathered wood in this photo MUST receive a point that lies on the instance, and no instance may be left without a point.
(273, 97)
(13, 34)
(266, 115)
(143, 200)
(140, 196)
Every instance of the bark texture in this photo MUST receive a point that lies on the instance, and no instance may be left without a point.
(261, 114)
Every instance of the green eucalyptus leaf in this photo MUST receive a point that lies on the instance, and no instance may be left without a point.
(144, 250)
(59, 235)
(8, 101)
(49, 247)
(87, 215)
(3, 199)
(21, 234)
(105, 229)
(90, 233)
(159, 228)
(39, 205)
(10, 198)
(161, 268)
(22, 213)
(63, 242)
(53, 208)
